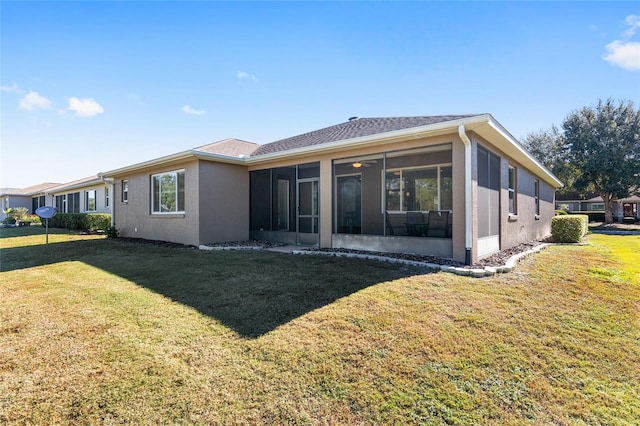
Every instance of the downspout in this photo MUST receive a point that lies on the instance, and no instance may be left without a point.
(112, 197)
(468, 240)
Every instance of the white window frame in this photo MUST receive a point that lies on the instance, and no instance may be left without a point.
(125, 190)
(173, 172)
(438, 168)
(86, 200)
(536, 196)
(513, 189)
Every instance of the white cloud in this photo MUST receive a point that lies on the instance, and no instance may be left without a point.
(633, 21)
(33, 100)
(625, 53)
(188, 110)
(13, 88)
(241, 75)
(87, 107)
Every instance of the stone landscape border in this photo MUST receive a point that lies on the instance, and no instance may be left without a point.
(486, 271)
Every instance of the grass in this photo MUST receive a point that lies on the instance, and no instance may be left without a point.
(108, 331)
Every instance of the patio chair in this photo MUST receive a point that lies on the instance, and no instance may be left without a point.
(438, 225)
(395, 230)
(415, 224)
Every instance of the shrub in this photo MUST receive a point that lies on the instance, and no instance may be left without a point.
(10, 220)
(560, 212)
(111, 232)
(81, 221)
(31, 218)
(569, 229)
(98, 221)
(594, 216)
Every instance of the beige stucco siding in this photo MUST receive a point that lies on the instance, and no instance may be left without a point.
(525, 226)
(134, 219)
(224, 202)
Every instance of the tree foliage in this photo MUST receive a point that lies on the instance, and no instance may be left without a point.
(597, 151)
(603, 144)
(549, 147)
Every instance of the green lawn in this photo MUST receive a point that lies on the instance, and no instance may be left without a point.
(98, 331)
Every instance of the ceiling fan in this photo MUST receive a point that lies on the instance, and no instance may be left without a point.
(363, 163)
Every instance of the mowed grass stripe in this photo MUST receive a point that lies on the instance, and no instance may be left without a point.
(108, 331)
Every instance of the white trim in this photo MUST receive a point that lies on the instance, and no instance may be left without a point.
(174, 172)
(488, 245)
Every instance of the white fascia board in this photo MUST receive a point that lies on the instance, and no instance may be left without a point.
(70, 187)
(173, 158)
(375, 139)
(519, 153)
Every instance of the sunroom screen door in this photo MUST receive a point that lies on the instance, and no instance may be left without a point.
(308, 212)
(349, 204)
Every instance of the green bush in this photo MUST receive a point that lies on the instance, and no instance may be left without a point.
(98, 221)
(594, 216)
(81, 221)
(560, 212)
(569, 229)
(112, 232)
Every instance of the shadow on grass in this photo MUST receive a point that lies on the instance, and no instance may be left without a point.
(250, 292)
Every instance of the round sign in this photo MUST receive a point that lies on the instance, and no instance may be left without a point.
(46, 212)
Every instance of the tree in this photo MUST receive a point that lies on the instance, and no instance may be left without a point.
(549, 147)
(603, 144)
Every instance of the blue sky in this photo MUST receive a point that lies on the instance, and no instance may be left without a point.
(92, 86)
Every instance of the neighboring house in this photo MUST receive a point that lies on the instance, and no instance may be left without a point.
(626, 207)
(30, 198)
(458, 187)
(88, 195)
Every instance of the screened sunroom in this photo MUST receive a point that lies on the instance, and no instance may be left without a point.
(395, 201)
(284, 204)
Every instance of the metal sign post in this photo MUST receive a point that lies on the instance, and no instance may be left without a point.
(46, 213)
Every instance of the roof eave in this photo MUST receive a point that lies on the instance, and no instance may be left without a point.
(62, 188)
(516, 151)
(172, 159)
(434, 129)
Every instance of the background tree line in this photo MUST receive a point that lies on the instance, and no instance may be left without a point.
(596, 152)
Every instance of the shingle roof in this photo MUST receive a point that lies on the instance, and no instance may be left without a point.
(352, 129)
(31, 190)
(230, 147)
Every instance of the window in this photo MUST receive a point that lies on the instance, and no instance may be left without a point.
(90, 200)
(106, 197)
(598, 207)
(513, 202)
(536, 196)
(61, 203)
(167, 192)
(125, 191)
(419, 189)
(37, 202)
(73, 203)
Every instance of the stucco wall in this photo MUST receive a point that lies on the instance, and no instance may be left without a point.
(525, 226)
(134, 218)
(224, 202)
(101, 206)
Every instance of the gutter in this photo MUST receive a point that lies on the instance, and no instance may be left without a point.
(110, 181)
(468, 240)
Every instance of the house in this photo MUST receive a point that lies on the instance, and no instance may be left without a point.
(88, 195)
(455, 186)
(624, 208)
(30, 198)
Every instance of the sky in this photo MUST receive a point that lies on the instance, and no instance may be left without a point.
(88, 87)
